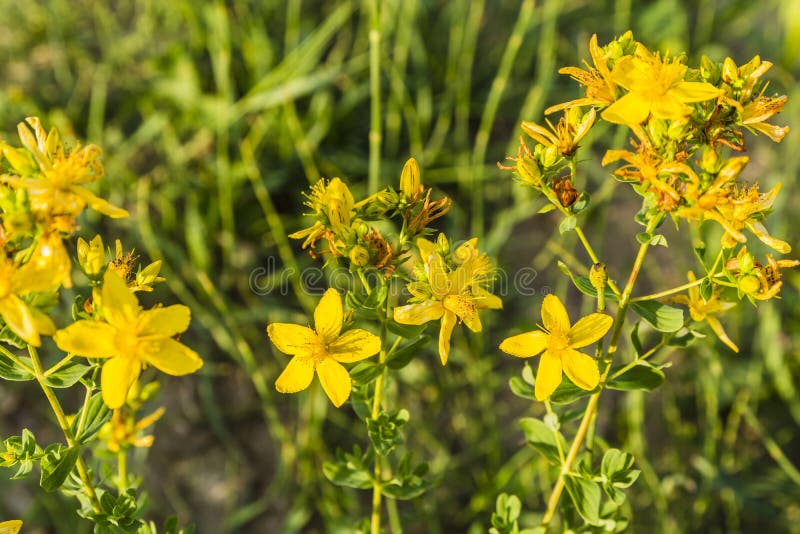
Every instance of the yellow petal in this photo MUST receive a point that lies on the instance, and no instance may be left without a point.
(548, 376)
(297, 376)
(335, 381)
(438, 279)
(43, 324)
(292, 338)
(445, 333)
(630, 109)
(10, 527)
(525, 345)
(486, 300)
(694, 92)
(354, 345)
(554, 314)
(775, 133)
(426, 249)
(120, 306)
(465, 309)
(419, 313)
(589, 329)
(669, 108)
(328, 315)
(91, 339)
(116, 378)
(165, 322)
(19, 318)
(174, 358)
(774, 243)
(97, 203)
(581, 369)
(716, 326)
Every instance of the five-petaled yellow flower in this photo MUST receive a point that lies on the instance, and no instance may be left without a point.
(450, 296)
(321, 350)
(130, 338)
(557, 343)
(655, 87)
(706, 310)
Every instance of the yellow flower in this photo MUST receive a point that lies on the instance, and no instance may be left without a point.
(10, 527)
(600, 87)
(27, 322)
(761, 108)
(123, 431)
(557, 342)
(565, 136)
(744, 209)
(655, 87)
(321, 350)
(130, 338)
(701, 309)
(450, 296)
(58, 187)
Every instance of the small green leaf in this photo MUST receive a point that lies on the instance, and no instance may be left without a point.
(11, 371)
(659, 240)
(402, 356)
(660, 316)
(351, 470)
(408, 331)
(547, 208)
(542, 438)
(57, 463)
(584, 285)
(585, 495)
(643, 238)
(642, 376)
(97, 413)
(520, 388)
(67, 375)
(366, 372)
(567, 224)
(384, 431)
(581, 203)
(637, 343)
(567, 392)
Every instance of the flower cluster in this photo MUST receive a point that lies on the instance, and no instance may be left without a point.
(687, 130)
(344, 223)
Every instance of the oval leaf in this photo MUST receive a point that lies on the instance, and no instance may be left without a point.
(642, 376)
(660, 316)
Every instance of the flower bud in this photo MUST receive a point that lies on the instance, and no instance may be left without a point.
(410, 181)
(749, 284)
(92, 256)
(710, 161)
(598, 276)
(359, 256)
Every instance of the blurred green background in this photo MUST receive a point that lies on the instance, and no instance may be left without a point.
(215, 116)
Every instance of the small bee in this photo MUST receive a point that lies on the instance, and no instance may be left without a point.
(565, 191)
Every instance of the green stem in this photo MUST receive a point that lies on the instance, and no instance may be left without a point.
(61, 418)
(591, 407)
(374, 97)
(377, 481)
(64, 361)
(676, 289)
(122, 472)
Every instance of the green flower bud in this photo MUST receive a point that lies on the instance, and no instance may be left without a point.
(359, 256)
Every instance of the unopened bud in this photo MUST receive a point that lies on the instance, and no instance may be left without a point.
(92, 256)
(598, 276)
(410, 181)
(359, 256)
